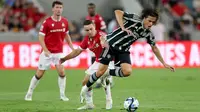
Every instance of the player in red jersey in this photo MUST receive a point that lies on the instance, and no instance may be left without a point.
(51, 37)
(100, 25)
(92, 41)
(95, 18)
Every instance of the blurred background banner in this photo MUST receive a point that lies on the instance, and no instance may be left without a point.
(25, 55)
(177, 31)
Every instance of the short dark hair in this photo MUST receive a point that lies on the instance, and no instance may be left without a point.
(149, 12)
(87, 22)
(91, 4)
(56, 3)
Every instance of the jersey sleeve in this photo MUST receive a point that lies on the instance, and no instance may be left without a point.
(67, 27)
(102, 23)
(43, 28)
(131, 17)
(84, 43)
(151, 39)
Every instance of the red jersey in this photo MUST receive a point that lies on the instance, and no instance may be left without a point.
(98, 21)
(93, 44)
(54, 33)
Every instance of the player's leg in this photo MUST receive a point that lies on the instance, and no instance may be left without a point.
(61, 81)
(88, 96)
(125, 68)
(44, 64)
(105, 58)
(107, 89)
(61, 75)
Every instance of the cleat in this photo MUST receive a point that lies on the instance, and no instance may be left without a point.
(87, 106)
(64, 98)
(28, 97)
(109, 104)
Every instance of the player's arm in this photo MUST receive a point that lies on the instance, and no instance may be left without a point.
(43, 45)
(119, 17)
(42, 33)
(71, 55)
(156, 51)
(69, 41)
(151, 40)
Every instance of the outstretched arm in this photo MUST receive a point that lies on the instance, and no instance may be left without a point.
(73, 54)
(156, 51)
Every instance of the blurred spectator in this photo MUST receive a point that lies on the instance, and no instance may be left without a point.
(9, 3)
(196, 4)
(187, 26)
(197, 18)
(15, 25)
(179, 9)
(21, 15)
(3, 27)
(74, 32)
(29, 25)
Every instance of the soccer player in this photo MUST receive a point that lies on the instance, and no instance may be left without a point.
(132, 27)
(95, 18)
(92, 41)
(100, 25)
(51, 37)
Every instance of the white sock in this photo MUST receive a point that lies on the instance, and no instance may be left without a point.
(108, 92)
(62, 84)
(110, 78)
(33, 84)
(89, 96)
(98, 81)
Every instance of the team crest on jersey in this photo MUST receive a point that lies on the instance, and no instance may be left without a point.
(97, 45)
(52, 25)
(63, 25)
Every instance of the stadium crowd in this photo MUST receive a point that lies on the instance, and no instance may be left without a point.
(25, 16)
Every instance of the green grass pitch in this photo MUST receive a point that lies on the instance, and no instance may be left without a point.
(158, 90)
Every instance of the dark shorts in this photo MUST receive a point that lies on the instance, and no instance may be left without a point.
(109, 54)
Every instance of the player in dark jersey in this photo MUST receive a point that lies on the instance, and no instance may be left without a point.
(117, 44)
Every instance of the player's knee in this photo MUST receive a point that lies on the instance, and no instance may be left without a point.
(39, 74)
(84, 82)
(127, 71)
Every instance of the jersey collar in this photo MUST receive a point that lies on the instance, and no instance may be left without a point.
(56, 20)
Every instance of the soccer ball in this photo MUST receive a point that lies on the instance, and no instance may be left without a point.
(131, 104)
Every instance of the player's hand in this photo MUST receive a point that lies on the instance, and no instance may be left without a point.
(169, 67)
(47, 53)
(103, 41)
(62, 60)
(129, 32)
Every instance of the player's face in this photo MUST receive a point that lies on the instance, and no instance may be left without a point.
(90, 30)
(149, 22)
(57, 10)
(91, 10)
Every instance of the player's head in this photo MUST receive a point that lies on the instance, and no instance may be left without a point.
(89, 28)
(91, 9)
(150, 17)
(57, 8)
